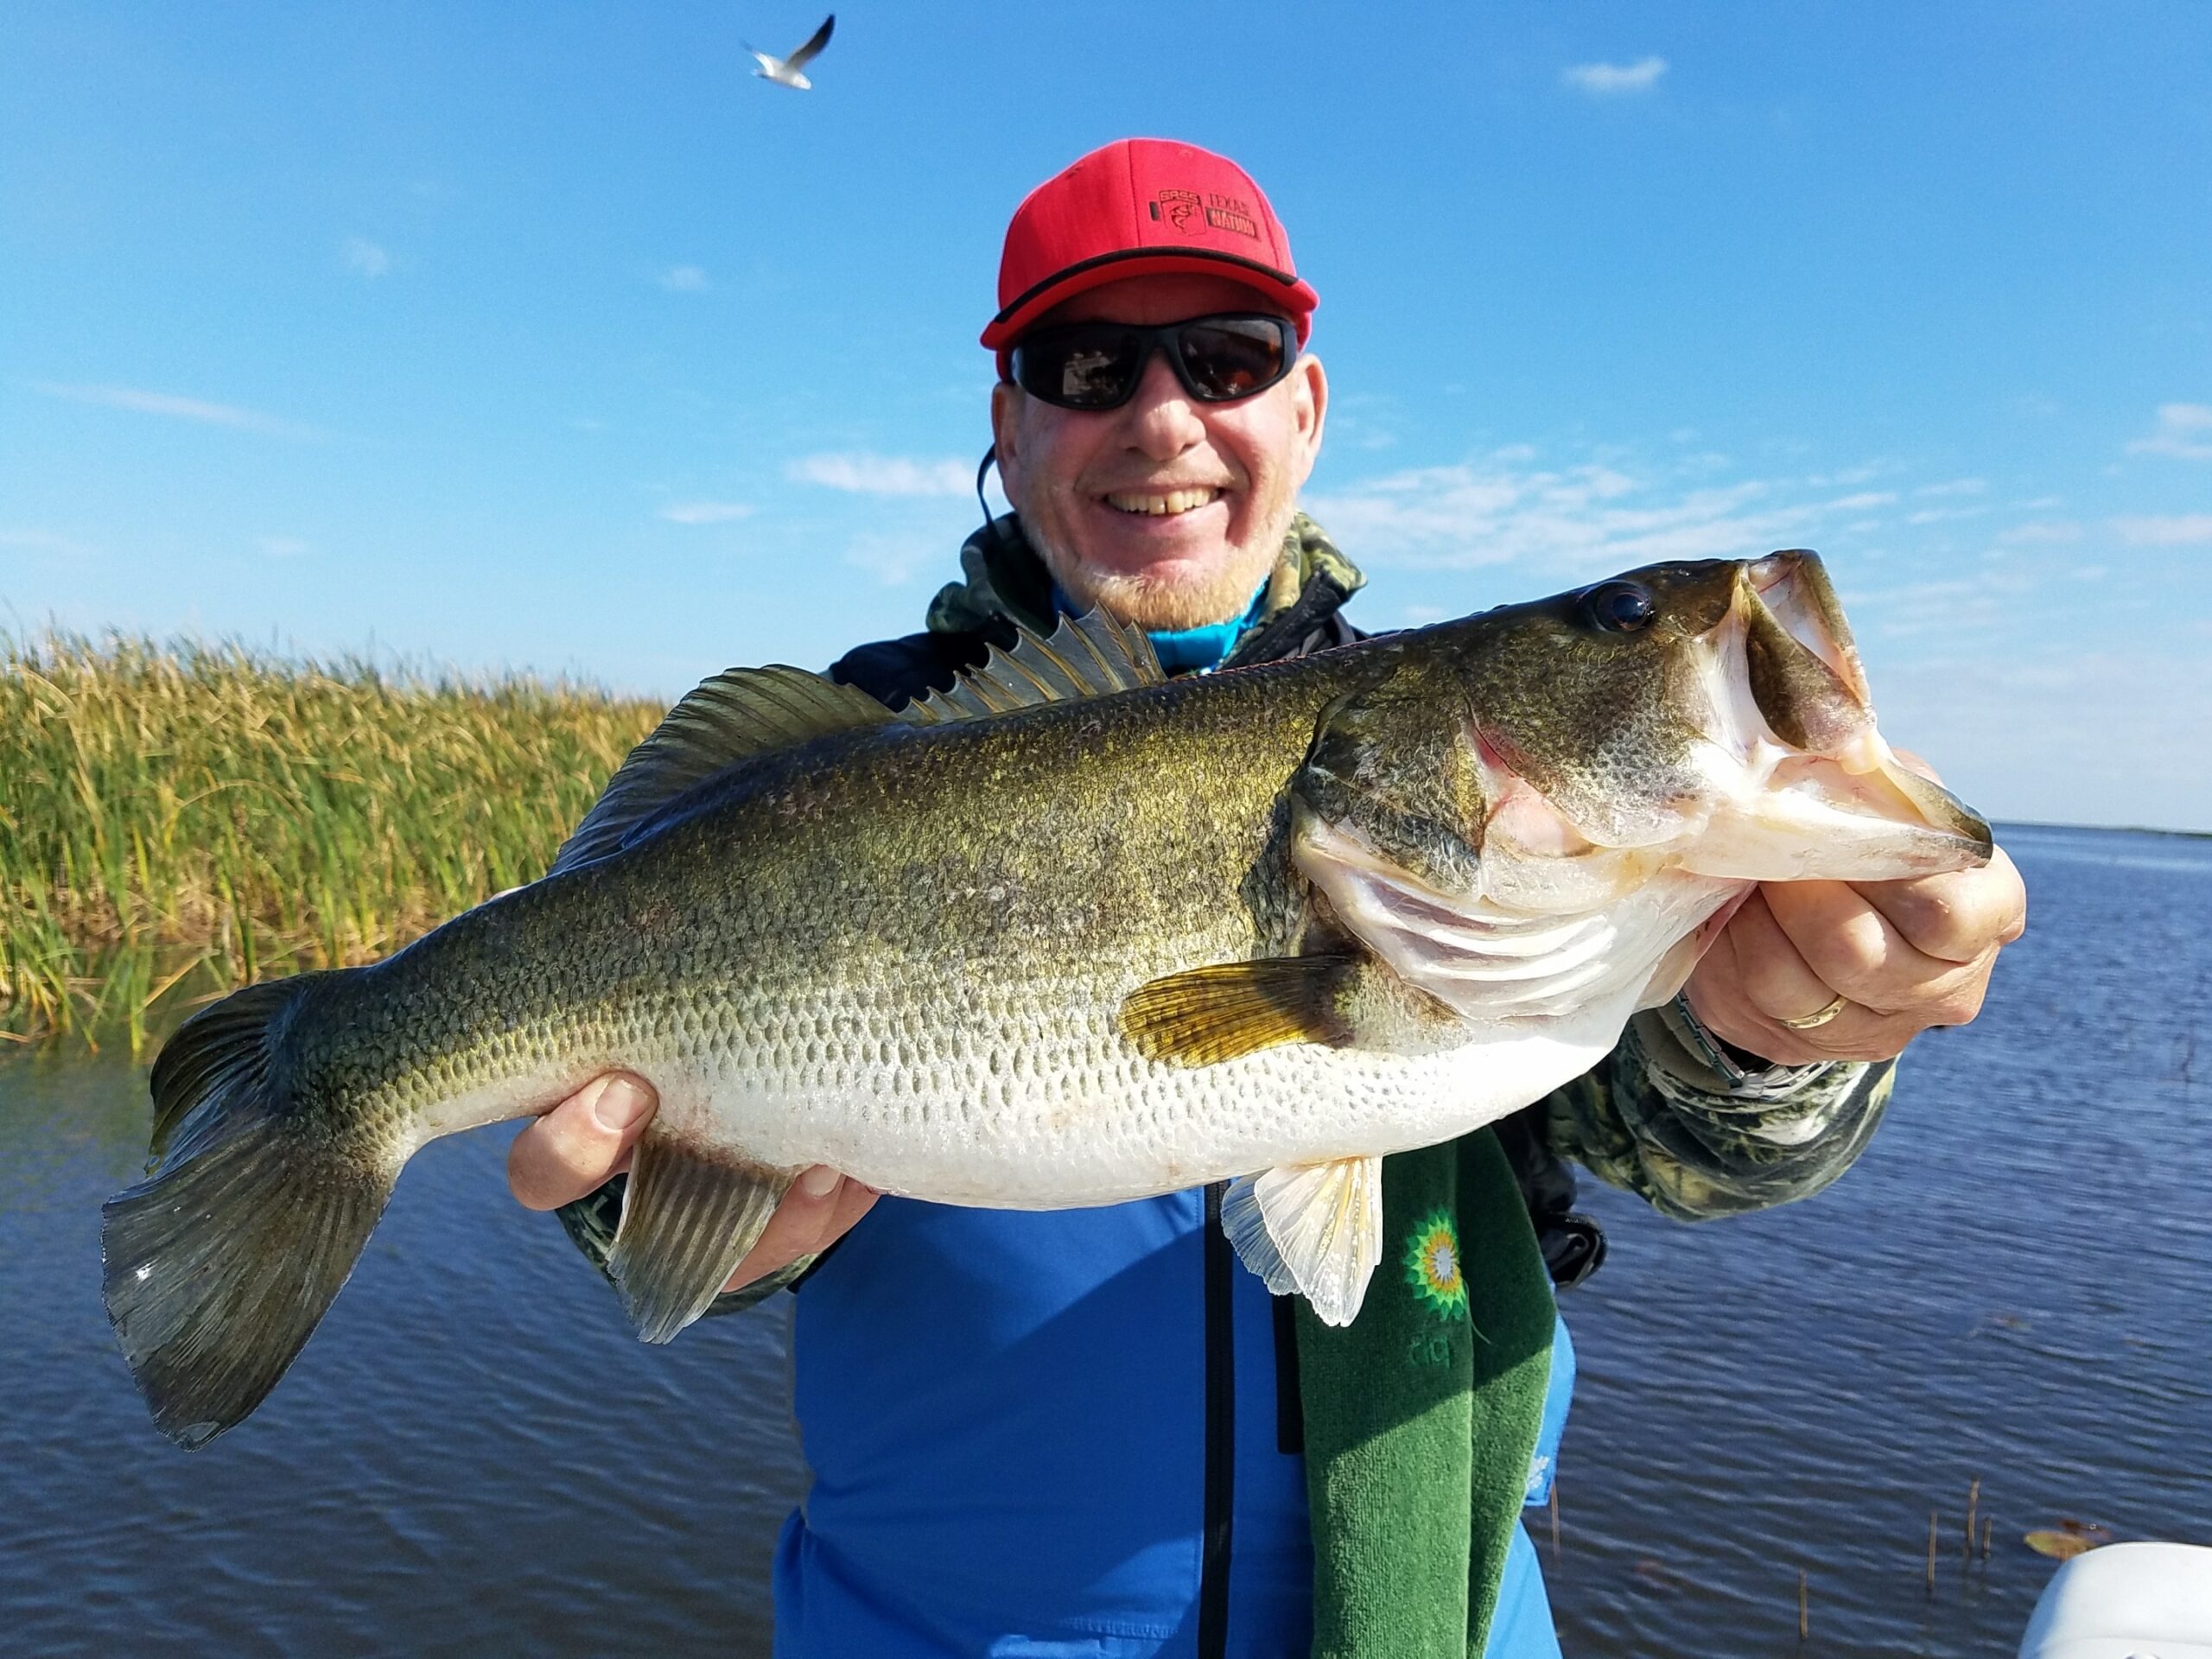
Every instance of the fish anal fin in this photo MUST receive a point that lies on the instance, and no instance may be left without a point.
(734, 716)
(1313, 1228)
(690, 1214)
(1086, 656)
(1205, 1016)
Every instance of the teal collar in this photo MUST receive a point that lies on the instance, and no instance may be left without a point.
(1190, 650)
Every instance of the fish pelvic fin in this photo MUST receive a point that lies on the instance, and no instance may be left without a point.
(1090, 656)
(218, 1268)
(690, 1214)
(1226, 1009)
(733, 717)
(1315, 1230)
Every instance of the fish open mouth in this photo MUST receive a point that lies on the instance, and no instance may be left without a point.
(1821, 793)
(1793, 588)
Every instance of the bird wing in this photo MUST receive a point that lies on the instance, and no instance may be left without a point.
(806, 54)
(768, 65)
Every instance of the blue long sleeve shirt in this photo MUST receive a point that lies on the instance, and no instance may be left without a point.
(1007, 1415)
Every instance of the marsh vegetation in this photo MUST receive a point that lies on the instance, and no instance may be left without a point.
(177, 818)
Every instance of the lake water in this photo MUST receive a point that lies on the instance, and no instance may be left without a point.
(474, 1456)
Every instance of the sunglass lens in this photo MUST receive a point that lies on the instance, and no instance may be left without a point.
(1079, 368)
(1232, 358)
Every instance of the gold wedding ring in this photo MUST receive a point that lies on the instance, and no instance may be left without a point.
(1820, 1019)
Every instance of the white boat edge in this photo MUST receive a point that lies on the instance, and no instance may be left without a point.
(2125, 1601)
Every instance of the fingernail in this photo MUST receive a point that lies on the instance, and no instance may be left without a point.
(819, 1182)
(621, 1102)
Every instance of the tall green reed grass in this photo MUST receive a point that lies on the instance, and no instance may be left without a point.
(176, 818)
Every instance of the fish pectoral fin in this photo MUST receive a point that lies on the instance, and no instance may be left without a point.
(689, 1215)
(1314, 1228)
(1675, 967)
(1205, 1016)
(735, 716)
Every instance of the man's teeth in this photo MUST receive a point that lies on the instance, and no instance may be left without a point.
(1163, 506)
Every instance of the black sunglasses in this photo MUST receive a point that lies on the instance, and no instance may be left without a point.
(1097, 365)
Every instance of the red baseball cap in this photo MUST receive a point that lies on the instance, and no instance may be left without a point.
(1140, 206)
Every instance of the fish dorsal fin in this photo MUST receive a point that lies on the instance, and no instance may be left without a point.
(734, 716)
(1086, 656)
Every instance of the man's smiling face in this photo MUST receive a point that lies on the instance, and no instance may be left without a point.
(1169, 511)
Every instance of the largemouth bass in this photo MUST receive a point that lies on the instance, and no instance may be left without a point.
(1068, 934)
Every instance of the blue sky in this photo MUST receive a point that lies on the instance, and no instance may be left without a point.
(542, 336)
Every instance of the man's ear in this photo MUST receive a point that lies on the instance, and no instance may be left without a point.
(1006, 433)
(1309, 402)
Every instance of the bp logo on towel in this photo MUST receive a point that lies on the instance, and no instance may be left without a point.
(1432, 1267)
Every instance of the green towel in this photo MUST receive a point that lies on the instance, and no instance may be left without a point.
(1422, 1414)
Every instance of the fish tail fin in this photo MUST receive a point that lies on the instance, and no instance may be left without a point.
(218, 1268)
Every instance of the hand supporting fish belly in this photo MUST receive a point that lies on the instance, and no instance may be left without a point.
(1069, 934)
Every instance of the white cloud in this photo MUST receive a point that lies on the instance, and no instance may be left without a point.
(684, 279)
(1862, 501)
(862, 473)
(186, 409)
(895, 558)
(1990, 599)
(282, 547)
(2042, 532)
(2184, 530)
(1956, 486)
(41, 541)
(705, 512)
(362, 255)
(1609, 80)
(1994, 724)
(1575, 521)
(2184, 432)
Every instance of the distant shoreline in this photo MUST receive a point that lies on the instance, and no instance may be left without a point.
(2002, 824)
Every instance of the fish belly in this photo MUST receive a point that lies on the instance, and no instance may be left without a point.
(1095, 1123)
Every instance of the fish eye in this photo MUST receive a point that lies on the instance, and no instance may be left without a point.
(1620, 607)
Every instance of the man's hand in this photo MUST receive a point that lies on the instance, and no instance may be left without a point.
(1906, 954)
(573, 1149)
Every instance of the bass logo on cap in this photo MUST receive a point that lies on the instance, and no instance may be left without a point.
(1179, 207)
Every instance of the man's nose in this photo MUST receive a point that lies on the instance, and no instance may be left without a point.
(1162, 424)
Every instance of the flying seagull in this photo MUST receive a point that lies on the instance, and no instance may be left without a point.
(785, 72)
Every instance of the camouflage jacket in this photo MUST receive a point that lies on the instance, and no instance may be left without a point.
(1672, 1114)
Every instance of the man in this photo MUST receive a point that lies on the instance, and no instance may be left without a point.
(1092, 1432)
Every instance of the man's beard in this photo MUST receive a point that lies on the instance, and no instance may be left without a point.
(1160, 604)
